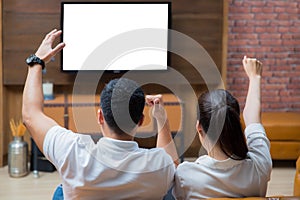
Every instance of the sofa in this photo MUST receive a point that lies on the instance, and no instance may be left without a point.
(283, 131)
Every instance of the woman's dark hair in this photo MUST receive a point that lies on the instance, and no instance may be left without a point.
(220, 119)
(122, 104)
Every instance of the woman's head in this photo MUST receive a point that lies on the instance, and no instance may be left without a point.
(219, 119)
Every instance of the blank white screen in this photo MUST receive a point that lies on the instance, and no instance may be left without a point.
(87, 26)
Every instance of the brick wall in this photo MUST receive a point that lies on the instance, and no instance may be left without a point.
(270, 31)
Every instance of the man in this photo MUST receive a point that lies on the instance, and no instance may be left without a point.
(115, 167)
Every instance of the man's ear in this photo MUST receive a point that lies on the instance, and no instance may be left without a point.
(141, 120)
(100, 116)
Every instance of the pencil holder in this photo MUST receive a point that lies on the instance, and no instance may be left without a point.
(18, 157)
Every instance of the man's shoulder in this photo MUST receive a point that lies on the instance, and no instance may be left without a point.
(157, 152)
(62, 135)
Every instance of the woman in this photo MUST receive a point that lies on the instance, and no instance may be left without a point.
(237, 164)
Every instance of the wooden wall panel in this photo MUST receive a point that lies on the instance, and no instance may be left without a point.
(12, 110)
(202, 7)
(25, 22)
(2, 92)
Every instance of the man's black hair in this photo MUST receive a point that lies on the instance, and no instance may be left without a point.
(122, 103)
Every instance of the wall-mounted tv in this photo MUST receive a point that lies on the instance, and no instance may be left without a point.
(88, 25)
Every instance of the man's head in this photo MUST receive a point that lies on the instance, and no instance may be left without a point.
(122, 104)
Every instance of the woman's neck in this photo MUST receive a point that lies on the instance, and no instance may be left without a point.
(217, 153)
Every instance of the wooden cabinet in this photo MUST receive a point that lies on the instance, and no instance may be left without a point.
(79, 114)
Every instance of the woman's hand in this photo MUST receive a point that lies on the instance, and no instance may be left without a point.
(45, 50)
(252, 67)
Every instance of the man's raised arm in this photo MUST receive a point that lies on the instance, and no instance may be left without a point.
(32, 109)
(164, 137)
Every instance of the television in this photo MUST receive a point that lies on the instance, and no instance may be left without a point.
(100, 35)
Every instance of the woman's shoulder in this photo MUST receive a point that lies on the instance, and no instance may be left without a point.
(186, 166)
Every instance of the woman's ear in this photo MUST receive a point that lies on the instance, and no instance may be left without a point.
(100, 117)
(199, 128)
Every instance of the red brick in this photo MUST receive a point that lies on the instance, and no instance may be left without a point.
(297, 23)
(271, 99)
(270, 36)
(245, 16)
(268, 10)
(282, 67)
(291, 99)
(251, 36)
(296, 36)
(283, 16)
(268, 42)
(233, 62)
(293, 86)
(240, 81)
(268, 62)
(257, 9)
(295, 93)
(269, 93)
(293, 73)
(282, 80)
(291, 42)
(293, 62)
(277, 74)
(264, 106)
(294, 30)
(294, 55)
(280, 9)
(238, 87)
(284, 93)
(274, 86)
(256, 3)
(240, 23)
(286, 36)
(266, 29)
(258, 23)
(281, 3)
(265, 16)
(283, 29)
(295, 80)
(240, 9)
(235, 3)
(231, 36)
(296, 107)
(280, 49)
(237, 55)
(239, 42)
(245, 50)
(281, 23)
(277, 107)
(292, 10)
(260, 49)
(242, 29)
